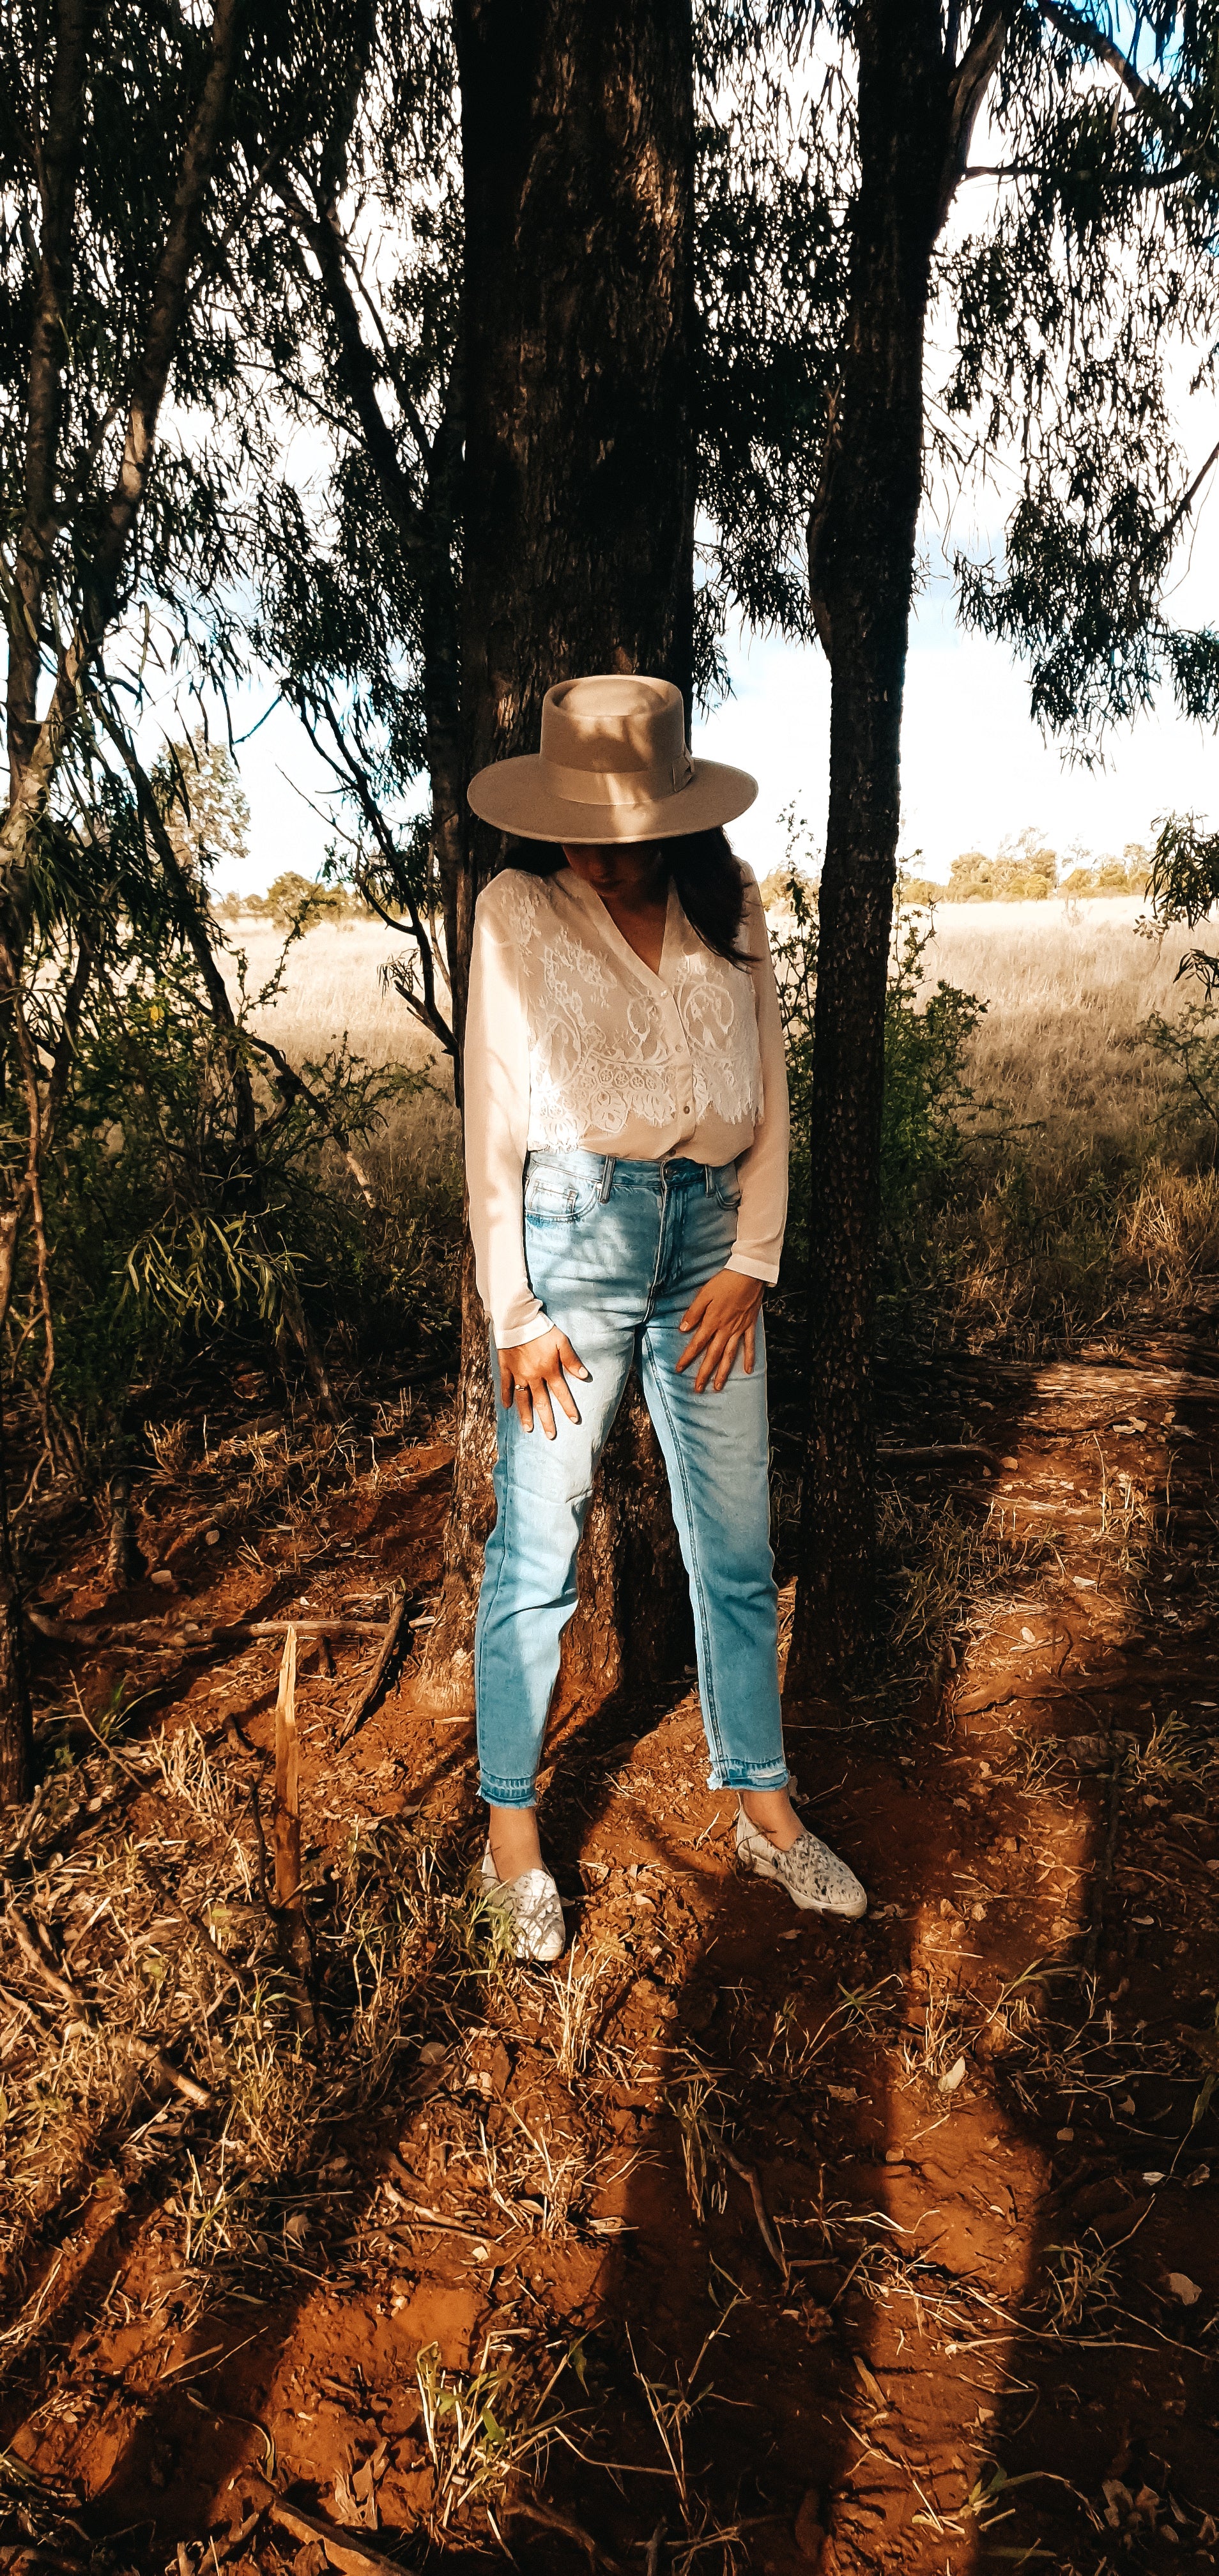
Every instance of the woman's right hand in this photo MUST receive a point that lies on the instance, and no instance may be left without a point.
(530, 1372)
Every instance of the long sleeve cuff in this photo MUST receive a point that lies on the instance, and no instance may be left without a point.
(753, 1265)
(515, 1326)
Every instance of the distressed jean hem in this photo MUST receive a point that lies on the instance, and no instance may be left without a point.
(510, 1793)
(748, 1775)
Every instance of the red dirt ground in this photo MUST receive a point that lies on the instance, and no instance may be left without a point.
(975, 2127)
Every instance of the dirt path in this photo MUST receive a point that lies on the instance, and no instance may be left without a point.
(742, 2241)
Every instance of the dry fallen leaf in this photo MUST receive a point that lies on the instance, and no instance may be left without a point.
(954, 2077)
(871, 2382)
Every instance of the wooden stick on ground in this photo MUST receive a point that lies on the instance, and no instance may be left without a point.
(939, 1453)
(344, 2549)
(750, 2177)
(394, 1651)
(289, 1899)
(287, 1784)
(531, 2509)
(79, 1632)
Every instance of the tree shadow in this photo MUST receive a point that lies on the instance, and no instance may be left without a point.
(744, 2069)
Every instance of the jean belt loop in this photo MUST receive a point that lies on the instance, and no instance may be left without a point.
(706, 1180)
(607, 1177)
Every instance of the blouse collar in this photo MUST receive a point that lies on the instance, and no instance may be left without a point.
(589, 899)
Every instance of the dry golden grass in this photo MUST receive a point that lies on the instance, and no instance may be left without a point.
(1084, 1178)
(1067, 986)
(1086, 1198)
(335, 992)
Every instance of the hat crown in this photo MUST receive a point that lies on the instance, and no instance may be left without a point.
(616, 724)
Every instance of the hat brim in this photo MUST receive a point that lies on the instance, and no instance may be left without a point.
(513, 795)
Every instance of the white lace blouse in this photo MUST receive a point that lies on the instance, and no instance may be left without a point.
(572, 1041)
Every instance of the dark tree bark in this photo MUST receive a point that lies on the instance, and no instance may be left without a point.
(577, 145)
(916, 111)
(17, 1730)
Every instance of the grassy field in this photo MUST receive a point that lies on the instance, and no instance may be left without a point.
(1067, 988)
(334, 989)
(1085, 1186)
(1090, 1195)
(335, 992)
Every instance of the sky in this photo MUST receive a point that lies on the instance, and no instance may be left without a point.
(975, 769)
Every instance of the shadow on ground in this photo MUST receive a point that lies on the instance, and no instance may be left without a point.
(877, 2247)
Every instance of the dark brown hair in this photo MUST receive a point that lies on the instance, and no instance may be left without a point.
(709, 878)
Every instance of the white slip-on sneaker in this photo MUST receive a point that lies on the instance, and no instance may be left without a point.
(814, 1877)
(529, 1906)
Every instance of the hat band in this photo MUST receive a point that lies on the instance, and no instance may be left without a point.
(625, 787)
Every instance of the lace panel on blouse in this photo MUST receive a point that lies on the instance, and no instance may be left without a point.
(598, 1045)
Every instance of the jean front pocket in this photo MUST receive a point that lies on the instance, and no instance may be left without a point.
(553, 1198)
(726, 1189)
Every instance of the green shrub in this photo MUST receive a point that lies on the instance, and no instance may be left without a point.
(175, 1218)
(927, 1100)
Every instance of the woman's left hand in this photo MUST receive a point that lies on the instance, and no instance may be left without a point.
(722, 1317)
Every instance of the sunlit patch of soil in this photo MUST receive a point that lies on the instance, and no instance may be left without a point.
(738, 2240)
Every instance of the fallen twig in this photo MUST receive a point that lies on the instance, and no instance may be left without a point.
(343, 2549)
(196, 2094)
(941, 1453)
(385, 1672)
(238, 2538)
(545, 2516)
(287, 1784)
(289, 1901)
(81, 1632)
(749, 2175)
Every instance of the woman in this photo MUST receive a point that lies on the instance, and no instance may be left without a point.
(626, 1151)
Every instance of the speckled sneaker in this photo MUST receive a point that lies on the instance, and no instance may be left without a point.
(529, 1906)
(815, 1879)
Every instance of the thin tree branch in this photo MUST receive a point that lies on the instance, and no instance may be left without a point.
(1081, 31)
(325, 241)
(57, 162)
(166, 313)
(966, 91)
(1187, 500)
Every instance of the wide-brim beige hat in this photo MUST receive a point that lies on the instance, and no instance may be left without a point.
(613, 767)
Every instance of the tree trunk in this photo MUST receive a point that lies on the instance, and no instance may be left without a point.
(861, 546)
(17, 1730)
(578, 156)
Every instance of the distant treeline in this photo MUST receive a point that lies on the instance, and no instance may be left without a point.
(1025, 872)
(293, 898)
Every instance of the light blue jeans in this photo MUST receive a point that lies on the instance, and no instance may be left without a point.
(615, 1252)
